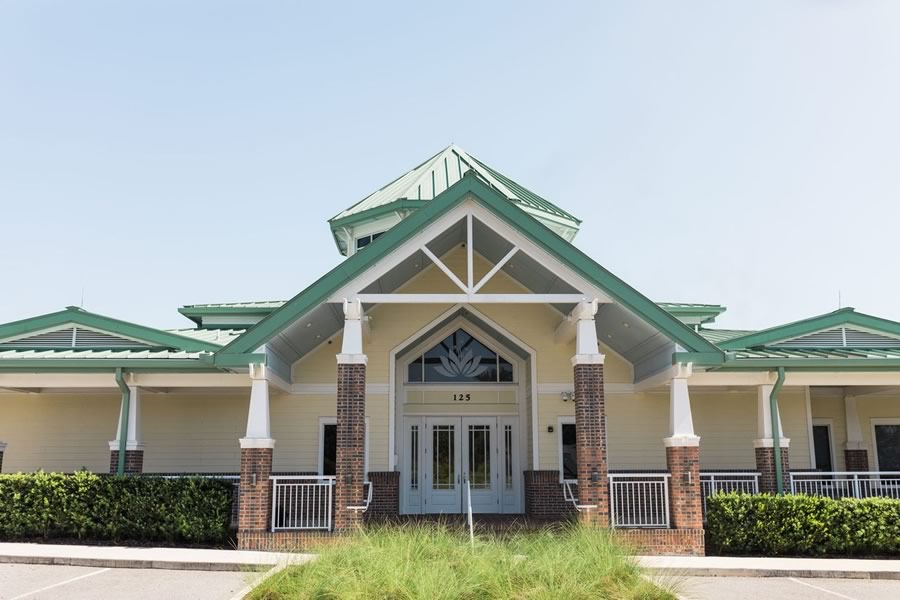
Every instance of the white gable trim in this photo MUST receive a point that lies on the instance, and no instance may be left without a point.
(468, 209)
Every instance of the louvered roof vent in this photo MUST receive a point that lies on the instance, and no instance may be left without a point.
(841, 337)
(73, 337)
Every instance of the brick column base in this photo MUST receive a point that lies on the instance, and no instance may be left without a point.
(590, 439)
(351, 445)
(134, 461)
(255, 501)
(857, 459)
(544, 498)
(684, 467)
(385, 504)
(765, 464)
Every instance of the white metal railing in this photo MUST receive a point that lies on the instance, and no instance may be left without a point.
(847, 484)
(469, 520)
(570, 496)
(724, 482)
(367, 487)
(639, 499)
(302, 502)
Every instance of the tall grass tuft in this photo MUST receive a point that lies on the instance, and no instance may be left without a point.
(436, 561)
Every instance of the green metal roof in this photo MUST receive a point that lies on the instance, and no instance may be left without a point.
(717, 336)
(472, 185)
(412, 190)
(692, 313)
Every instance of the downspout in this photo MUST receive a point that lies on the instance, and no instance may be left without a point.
(776, 427)
(123, 430)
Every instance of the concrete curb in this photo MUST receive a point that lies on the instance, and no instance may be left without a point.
(130, 563)
(125, 557)
(800, 568)
(751, 572)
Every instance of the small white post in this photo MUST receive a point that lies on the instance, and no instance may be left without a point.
(587, 350)
(854, 431)
(259, 433)
(681, 419)
(352, 344)
(764, 421)
(133, 439)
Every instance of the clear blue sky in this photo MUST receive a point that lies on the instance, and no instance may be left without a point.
(160, 153)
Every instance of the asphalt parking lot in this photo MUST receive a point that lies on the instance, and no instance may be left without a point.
(46, 582)
(770, 588)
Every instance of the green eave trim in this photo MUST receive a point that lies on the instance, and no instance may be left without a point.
(470, 185)
(844, 316)
(80, 365)
(728, 362)
(377, 211)
(148, 335)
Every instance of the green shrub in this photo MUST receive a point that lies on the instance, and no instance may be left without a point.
(87, 506)
(770, 525)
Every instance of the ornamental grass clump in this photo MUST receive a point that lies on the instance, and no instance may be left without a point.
(439, 561)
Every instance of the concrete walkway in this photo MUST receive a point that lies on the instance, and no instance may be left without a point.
(194, 559)
(732, 566)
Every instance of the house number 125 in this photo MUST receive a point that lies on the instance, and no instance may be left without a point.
(462, 397)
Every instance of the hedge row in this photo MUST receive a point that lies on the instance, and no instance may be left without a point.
(87, 506)
(799, 525)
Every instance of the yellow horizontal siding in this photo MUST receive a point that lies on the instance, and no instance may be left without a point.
(58, 432)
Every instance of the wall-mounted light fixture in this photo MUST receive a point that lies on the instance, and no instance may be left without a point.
(567, 396)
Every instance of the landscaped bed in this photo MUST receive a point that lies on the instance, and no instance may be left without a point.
(437, 561)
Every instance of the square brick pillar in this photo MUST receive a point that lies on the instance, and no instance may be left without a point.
(385, 496)
(257, 449)
(683, 460)
(255, 499)
(855, 456)
(351, 445)
(765, 464)
(590, 439)
(134, 458)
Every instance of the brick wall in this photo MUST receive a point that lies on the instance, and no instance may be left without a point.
(765, 464)
(671, 542)
(544, 498)
(256, 490)
(285, 541)
(351, 444)
(590, 431)
(134, 461)
(684, 485)
(385, 504)
(856, 459)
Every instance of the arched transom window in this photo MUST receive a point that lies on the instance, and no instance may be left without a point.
(460, 358)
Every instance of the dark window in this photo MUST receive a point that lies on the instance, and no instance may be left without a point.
(569, 452)
(329, 449)
(887, 446)
(822, 444)
(460, 358)
(362, 242)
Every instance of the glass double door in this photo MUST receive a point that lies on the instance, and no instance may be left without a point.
(462, 457)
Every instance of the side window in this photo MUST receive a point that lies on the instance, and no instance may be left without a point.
(887, 446)
(822, 445)
(569, 454)
(362, 242)
(329, 449)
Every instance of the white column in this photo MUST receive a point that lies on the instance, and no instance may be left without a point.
(854, 431)
(133, 441)
(764, 421)
(587, 351)
(681, 419)
(352, 344)
(259, 433)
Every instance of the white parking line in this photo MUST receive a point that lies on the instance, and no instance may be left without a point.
(821, 589)
(61, 583)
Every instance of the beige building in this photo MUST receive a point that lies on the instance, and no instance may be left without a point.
(464, 353)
